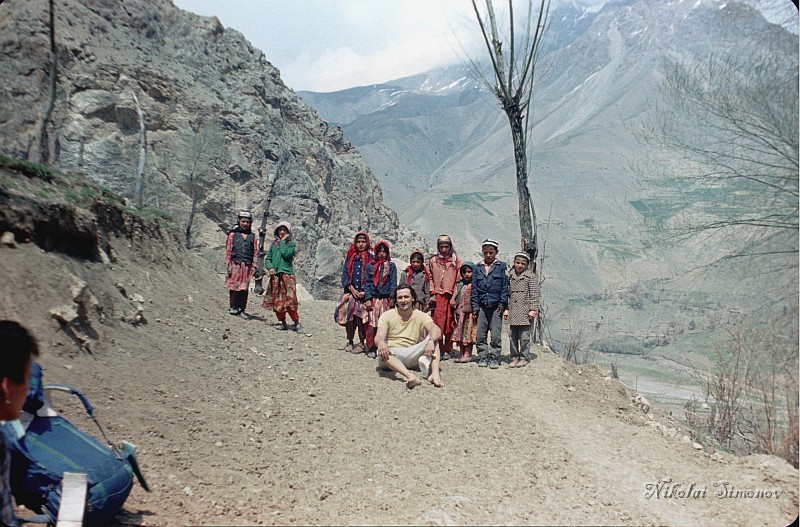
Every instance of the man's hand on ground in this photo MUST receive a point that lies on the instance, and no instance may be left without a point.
(383, 351)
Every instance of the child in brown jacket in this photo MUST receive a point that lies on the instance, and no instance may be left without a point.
(522, 310)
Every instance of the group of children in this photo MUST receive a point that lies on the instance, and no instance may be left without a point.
(467, 301)
(241, 257)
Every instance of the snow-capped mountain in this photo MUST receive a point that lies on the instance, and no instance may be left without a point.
(440, 145)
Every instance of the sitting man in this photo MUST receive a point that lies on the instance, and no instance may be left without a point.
(397, 339)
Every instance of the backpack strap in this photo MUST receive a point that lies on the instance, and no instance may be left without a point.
(73, 500)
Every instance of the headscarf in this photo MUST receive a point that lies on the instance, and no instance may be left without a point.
(442, 259)
(277, 240)
(353, 253)
(410, 271)
(381, 269)
(461, 284)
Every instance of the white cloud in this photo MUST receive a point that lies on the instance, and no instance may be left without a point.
(321, 45)
(336, 69)
(413, 36)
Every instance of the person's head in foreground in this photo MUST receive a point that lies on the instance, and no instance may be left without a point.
(444, 245)
(416, 260)
(245, 219)
(17, 349)
(466, 272)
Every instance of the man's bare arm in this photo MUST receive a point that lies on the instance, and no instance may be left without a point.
(380, 342)
(433, 330)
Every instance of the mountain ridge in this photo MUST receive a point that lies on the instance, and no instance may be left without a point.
(453, 160)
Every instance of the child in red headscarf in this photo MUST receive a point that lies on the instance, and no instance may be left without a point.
(416, 276)
(351, 311)
(380, 288)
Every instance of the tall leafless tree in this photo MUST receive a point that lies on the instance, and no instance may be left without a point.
(513, 60)
(733, 123)
(204, 150)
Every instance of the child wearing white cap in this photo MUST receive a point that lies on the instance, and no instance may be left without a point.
(522, 310)
(489, 298)
(241, 251)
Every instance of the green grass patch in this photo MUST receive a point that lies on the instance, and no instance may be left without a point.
(612, 246)
(152, 213)
(26, 168)
(75, 189)
(475, 200)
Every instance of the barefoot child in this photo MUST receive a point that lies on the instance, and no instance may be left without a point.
(416, 276)
(522, 310)
(350, 309)
(379, 290)
(281, 293)
(464, 334)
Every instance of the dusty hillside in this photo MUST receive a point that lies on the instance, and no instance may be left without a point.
(240, 423)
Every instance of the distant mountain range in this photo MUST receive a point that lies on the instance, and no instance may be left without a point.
(440, 147)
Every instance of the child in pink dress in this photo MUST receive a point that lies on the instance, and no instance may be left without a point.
(464, 334)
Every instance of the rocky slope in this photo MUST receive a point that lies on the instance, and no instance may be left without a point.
(220, 125)
(238, 423)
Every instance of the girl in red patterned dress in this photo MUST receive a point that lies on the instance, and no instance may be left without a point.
(380, 288)
(281, 293)
(465, 333)
(350, 310)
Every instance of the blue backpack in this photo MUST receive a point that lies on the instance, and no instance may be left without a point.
(50, 445)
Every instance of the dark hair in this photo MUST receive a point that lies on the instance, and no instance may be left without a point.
(417, 256)
(17, 347)
(464, 268)
(406, 286)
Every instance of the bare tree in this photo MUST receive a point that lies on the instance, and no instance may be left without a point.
(727, 128)
(204, 149)
(514, 58)
(40, 150)
(753, 393)
(733, 123)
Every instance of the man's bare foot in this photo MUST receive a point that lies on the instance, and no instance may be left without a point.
(413, 382)
(435, 380)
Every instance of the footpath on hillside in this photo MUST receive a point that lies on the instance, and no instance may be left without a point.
(239, 423)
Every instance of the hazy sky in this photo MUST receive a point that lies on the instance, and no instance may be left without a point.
(327, 45)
